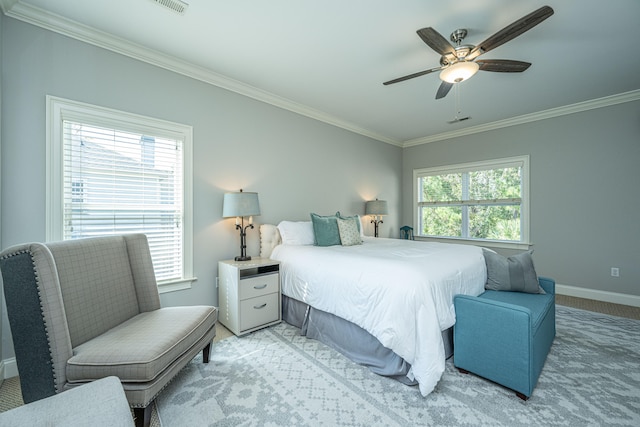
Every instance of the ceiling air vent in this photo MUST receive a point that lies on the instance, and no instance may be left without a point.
(175, 5)
(458, 119)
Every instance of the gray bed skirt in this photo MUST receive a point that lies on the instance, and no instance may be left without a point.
(351, 340)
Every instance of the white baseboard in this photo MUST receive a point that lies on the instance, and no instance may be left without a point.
(8, 368)
(616, 298)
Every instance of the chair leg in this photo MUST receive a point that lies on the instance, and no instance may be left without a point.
(463, 371)
(205, 353)
(142, 416)
(522, 396)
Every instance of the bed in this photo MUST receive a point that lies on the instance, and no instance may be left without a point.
(385, 303)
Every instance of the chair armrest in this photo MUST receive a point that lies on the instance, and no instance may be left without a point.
(495, 329)
(548, 284)
(36, 313)
(482, 310)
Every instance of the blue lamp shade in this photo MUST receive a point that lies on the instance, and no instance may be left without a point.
(240, 204)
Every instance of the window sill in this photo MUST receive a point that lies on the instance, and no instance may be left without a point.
(176, 285)
(485, 243)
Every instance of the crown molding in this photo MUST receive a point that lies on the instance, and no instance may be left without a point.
(50, 21)
(533, 117)
(58, 24)
(6, 5)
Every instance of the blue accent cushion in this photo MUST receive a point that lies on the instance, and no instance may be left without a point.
(325, 230)
(538, 304)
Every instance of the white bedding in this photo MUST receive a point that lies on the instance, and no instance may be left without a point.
(400, 291)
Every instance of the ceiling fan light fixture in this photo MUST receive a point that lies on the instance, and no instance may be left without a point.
(458, 72)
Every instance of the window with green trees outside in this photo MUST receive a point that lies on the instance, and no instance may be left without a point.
(474, 201)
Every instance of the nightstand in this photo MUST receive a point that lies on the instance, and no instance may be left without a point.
(249, 294)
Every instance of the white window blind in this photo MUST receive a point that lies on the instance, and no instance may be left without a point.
(117, 173)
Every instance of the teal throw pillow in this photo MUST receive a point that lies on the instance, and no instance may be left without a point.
(515, 273)
(349, 233)
(325, 230)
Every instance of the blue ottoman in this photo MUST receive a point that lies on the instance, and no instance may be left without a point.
(505, 336)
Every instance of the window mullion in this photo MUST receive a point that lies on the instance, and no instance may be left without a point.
(465, 208)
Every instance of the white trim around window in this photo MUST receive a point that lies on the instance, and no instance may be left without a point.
(61, 111)
(520, 161)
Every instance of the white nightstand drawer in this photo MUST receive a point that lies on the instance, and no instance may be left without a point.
(252, 287)
(258, 311)
(249, 294)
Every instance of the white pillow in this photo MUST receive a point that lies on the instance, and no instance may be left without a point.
(296, 233)
(361, 225)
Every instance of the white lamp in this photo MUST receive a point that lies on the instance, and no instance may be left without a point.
(376, 208)
(239, 205)
(458, 72)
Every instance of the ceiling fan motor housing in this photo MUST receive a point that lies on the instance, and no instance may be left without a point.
(461, 53)
(461, 50)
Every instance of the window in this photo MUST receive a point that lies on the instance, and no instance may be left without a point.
(113, 172)
(485, 201)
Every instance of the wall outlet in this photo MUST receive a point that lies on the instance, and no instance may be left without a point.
(615, 272)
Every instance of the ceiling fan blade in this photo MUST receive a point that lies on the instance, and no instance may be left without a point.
(443, 90)
(436, 41)
(411, 76)
(502, 65)
(511, 31)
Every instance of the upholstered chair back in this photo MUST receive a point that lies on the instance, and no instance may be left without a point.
(101, 285)
(63, 294)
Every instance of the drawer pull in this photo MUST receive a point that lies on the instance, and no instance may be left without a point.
(260, 286)
(258, 307)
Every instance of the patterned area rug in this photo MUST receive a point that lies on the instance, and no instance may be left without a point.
(275, 377)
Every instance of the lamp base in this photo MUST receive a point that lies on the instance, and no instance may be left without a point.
(243, 258)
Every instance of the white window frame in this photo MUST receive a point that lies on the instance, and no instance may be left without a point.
(59, 110)
(522, 161)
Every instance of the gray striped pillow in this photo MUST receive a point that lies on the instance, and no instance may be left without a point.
(515, 273)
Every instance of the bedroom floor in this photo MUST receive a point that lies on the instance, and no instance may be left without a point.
(599, 306)
(10, 396)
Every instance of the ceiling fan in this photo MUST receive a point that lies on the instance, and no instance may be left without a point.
(457, 62)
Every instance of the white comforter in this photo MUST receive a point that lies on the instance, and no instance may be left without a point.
(400, 291)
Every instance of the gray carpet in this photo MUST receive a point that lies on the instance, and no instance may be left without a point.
(276, 377)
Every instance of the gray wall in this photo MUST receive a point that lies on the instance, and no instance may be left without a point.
(585, 172)
(584, 166)
(296, 164)
(2, 306)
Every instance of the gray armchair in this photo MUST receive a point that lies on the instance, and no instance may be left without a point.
(85, 309)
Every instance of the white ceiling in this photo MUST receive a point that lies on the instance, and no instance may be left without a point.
(327, 59)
